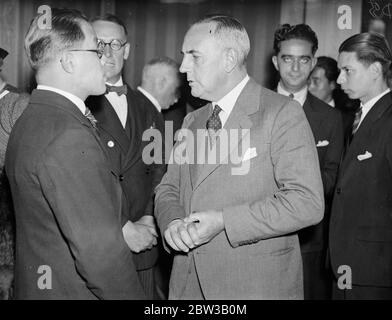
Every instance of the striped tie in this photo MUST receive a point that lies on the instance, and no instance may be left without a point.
(357, 120)
(91, 118)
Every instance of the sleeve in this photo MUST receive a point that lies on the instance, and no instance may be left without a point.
(167, 193)
(330, 166)
(299, 201)
(85, 199)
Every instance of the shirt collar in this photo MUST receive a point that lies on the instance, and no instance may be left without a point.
(74, 99)
(151, 98)
(332, 103)
(368, 105)
(300, 96)
(117, 84)
(228, 101)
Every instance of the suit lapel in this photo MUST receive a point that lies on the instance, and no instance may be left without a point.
(311, 114)
(363, 134)
(109, 122)
(246, 104)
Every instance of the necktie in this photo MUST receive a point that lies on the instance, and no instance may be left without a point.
(91, 118)
(118, 89)
(214, 123)
(291, 95)
(357, 119)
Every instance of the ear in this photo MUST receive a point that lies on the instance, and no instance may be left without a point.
(231, 59)
(275, 62)
(332, 85)
(67, 62)
(376, 69)
(127, 49)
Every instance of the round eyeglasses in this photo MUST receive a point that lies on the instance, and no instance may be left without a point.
(115, 44)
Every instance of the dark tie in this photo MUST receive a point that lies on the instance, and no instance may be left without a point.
(357, 119)
(91, 118)
(214, 123)
(118, 89)
(291, 95)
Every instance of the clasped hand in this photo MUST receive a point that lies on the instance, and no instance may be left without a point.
(195, 230)
(140, 235)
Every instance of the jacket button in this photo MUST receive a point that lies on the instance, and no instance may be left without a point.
(121, 177)
(338, 190)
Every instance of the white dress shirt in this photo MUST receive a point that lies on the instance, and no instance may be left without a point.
(228, 101)
(332, 103)
(368, 105)
(76, 100)
(119, 103)
(151, 98)
(299, 96)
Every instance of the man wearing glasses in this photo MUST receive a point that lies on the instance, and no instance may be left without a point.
(295, 47)
(121, 123)
(67, 200)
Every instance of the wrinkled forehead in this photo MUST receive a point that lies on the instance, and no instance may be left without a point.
(108, 30)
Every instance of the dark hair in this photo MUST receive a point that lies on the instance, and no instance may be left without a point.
(330, 67)
(300, 31)
(111, 18)
(370, 47)
(44, 44)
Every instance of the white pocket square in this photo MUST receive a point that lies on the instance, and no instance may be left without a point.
(323, 143)
(249, 154)
(366, 155)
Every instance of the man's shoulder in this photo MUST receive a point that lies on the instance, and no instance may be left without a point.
(322, 107)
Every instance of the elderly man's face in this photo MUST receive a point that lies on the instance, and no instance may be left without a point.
(203, 62)
(113, 60)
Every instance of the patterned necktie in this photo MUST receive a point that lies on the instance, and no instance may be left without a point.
(214, 123)
(91, 118)
(118, 89)
(357, 119)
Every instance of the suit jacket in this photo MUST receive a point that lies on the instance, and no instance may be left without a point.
(125, 148)
(327, 127)
(361, 219)
(277, 192)
(67, 206)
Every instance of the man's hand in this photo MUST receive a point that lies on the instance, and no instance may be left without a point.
(149, 222)
(177, 236)
(204, 226)
(139, 237)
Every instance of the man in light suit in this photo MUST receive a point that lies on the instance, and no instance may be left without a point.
(295, 48)
(233, 221)
(67, 198)
(360, 236)
(122, 121)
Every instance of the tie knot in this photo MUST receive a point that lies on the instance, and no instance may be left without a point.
(291, 95)
(214, 121)
(117, 89)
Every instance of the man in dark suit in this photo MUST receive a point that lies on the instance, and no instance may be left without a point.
(360, 236)
(295, 48)
(67, 198)
(121, 123)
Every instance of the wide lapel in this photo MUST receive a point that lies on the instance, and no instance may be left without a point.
(109, 122)
(364, 133)
(311, 115)
(247, 103)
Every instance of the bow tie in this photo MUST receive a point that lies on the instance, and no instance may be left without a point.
(118, 89)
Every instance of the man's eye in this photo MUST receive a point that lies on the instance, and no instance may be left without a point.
(304, 60)
(287, 59)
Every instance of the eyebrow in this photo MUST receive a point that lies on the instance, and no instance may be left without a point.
(291, 55)
(192, 51)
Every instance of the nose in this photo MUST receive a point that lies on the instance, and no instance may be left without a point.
(107, 51)
(184, 67)
(295, 65)
(341, 78)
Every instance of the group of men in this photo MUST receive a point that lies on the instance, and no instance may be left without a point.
(311, 199)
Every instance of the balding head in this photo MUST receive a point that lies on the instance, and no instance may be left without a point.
(161, 79)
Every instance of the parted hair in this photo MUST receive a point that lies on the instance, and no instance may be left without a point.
(370, 47)
(231, 33)
(300, 31)
(42, 44)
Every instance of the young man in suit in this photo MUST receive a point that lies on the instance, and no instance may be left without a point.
(360, 236)
(69, 242)
(294, 59)
(122, 121)
(233, 221)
